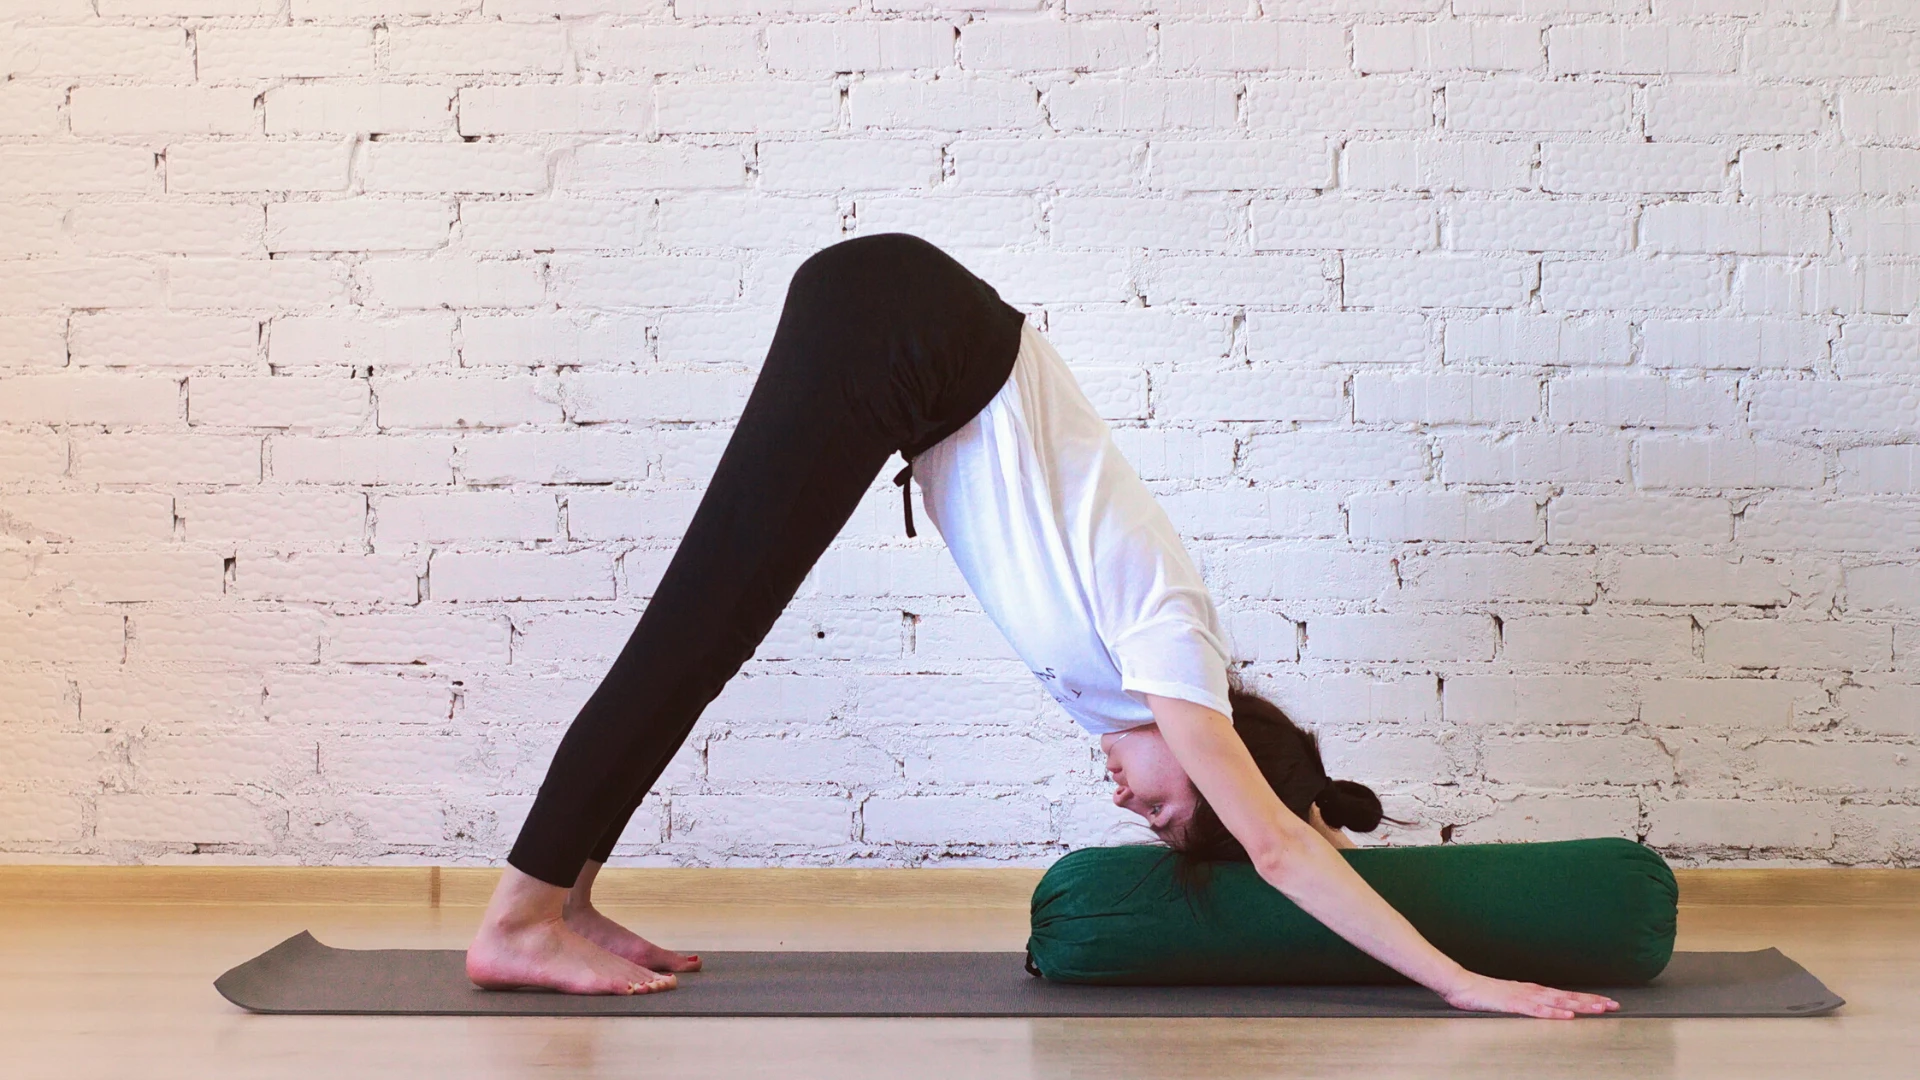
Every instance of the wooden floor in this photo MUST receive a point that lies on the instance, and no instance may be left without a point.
(124, 992)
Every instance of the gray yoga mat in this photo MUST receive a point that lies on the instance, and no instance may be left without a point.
(300, 975)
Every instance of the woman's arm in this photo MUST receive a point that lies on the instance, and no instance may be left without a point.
(1295, 859)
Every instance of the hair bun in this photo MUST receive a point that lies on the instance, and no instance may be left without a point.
(1346, 805)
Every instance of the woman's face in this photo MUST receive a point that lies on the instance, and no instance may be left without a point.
(1148, 781)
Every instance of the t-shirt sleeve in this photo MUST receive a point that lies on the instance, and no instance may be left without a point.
(1175, 656)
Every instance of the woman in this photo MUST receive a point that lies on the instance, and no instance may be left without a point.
(887, 345)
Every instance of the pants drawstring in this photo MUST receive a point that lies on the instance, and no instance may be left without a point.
(900, 480)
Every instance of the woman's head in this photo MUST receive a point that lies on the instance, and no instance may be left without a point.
(1151, 783)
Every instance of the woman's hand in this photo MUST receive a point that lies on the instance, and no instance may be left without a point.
(1478, 993)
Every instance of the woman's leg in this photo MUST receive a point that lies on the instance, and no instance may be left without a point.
(847, 381)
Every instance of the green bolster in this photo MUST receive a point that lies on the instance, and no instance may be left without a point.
(1577, 912)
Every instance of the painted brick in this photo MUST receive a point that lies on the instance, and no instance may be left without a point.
(810, 821)
(1439, 281)
(225, 637)
(168, 228)
(88, 517)
(332, 340)
(154, 340)
(553, 225)
(1691, 284)
(1615, 639)
(1234, 164)
(1296, 572)
(30, 110)
(1789, 522)
(1799, 643)
(500, 48)
(1832, 171)
(649, 49)
(954, 103)
(38, 341)
(167, 458)
(1885, 709)
(1734, 343)
(1137, 104)
(1445, 399)
(454, 283)
(1530, 700)
(1447, 45)
(143, 110)
(1538, 340)
(184, 819)
(1568, 763)
(127, 577)
(354, 109)
(1632, 168)
(1400, 637)
(1252, 394)
(848, 164)
(1247, 46)
(1006, 220)
(1732, 823)
(85, 168)
(1512, 105)
(1889, 231)
(321, 577)
(1400, 516)
(277, 517)
(536, 110)
(643, 281)
(775, 107)
(859, 46)
(1746, 230)
(1879, 470)
(1641, 49)
(256, 284)
(238, 55)
(1532, 818)
(1265, 280)
(161, 54)
(484, 168)
(1640, 401)
(450, 402)
(1638, 520)
(516, 575)
(1392, 165)
(952, 819)
(373, 459)
(1336, 338)
(1340, 223)
(1880, 116)
(277, 402)
(1292, 457)
(1540, 226)
(1371, 104)
(465, 515)
(1243, 512)
(728, 220)
(1082, 45)
(1489, 578)
(1839, 766)
(1806, 405)
(601, 168)
(32, 455)
(574, 457)
(1706, 111)
(359, 225)
(1674, 579)
(1735, 704)
(418, 638)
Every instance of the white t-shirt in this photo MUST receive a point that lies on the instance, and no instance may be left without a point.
(1070, 554)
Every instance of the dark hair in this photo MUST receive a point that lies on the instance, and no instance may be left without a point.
(1289, 758)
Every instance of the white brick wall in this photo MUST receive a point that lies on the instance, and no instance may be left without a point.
(1537, 381)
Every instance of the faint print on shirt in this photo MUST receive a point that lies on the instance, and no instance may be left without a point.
(1046, 675)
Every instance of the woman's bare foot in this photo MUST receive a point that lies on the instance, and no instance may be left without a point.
(524, 940)
(590, 923)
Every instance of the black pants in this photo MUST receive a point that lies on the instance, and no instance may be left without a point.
(885, 344)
